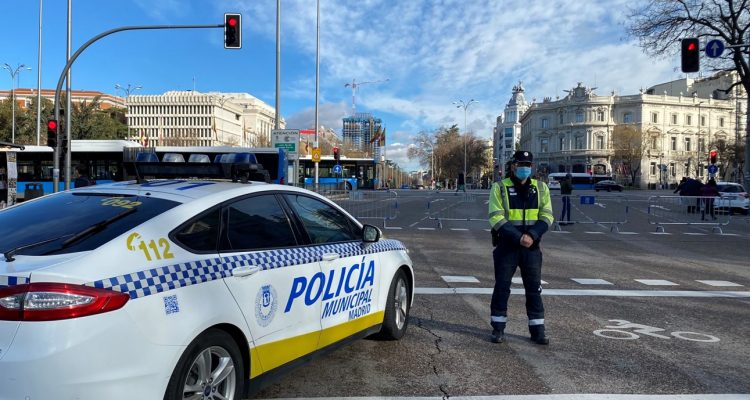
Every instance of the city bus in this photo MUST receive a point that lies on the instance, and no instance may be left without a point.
(581, 181)
(104, 159)
(356, 173)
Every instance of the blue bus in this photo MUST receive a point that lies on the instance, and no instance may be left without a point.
(104, 159)
(356, 173)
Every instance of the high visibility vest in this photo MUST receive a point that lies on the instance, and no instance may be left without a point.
(506, 205)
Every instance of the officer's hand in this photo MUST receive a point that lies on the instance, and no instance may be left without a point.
(526, 240)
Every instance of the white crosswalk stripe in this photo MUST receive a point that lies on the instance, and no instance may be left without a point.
(656, 282)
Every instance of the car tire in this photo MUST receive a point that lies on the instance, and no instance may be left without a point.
(397, 308)
(218, 347)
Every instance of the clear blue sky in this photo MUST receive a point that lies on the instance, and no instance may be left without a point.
(432, 51)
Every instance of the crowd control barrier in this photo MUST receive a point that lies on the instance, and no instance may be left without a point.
(457, 206)
(686, 210)
(606, 210)
(368, 205)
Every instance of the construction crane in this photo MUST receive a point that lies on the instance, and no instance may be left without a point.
(355, 85)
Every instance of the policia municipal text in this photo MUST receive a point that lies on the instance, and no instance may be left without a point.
(520, 212)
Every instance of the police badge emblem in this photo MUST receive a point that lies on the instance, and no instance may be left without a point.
(265, 305)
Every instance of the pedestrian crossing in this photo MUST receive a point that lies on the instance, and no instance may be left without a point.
(561, 232)
(602, 282)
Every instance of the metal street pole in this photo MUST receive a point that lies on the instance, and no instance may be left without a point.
(14, 73)
(317, 85)
(278, 64)
(39, 80)
(68, 103)
(127, 91)
(465, 106)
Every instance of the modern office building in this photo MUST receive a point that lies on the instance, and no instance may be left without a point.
(359, 130)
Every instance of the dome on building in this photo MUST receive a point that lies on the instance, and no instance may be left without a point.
(517, 99)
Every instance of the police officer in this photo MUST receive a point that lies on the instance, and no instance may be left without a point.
(520, 212)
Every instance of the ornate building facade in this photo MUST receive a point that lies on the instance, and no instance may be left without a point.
(507, 131)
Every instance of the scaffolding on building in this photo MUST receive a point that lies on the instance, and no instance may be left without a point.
(358, 131)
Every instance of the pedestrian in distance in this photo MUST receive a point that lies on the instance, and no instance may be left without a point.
(83, 176)
(566, 189)
(461, 183)
(520, 212)
(709, 192)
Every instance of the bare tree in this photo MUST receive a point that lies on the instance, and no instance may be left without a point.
(629, 144)
(423, 149)
(660, 24)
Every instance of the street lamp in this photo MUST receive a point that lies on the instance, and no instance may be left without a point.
(13, 75)
(432, 156)
(127, 91)
(465, 106)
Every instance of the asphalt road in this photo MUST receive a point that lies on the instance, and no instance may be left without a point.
(629, 310)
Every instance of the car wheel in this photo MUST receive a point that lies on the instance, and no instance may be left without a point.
(396, 309)
(210, 368)
(348, 186)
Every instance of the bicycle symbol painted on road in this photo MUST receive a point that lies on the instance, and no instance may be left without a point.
(619, 332)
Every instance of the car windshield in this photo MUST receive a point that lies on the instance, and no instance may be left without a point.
(58, 218)
(730, 188)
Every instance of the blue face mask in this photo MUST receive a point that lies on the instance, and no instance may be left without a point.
(523, 172)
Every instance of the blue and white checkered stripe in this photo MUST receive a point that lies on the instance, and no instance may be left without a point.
(6, 281)
(157, 280)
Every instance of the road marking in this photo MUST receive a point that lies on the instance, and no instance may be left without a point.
(584, 281)
(628, 233)
(598, 396)
(595, 233)
(656, 282)
(393, 227)
(559, 231)
(719, 283)
(694, 233)
(426, 229)
(459, 229)
(730, 234)
(424, 218)
(459, 279)
(488, 230)
(520, 281)
(596, 292)
(660, 233)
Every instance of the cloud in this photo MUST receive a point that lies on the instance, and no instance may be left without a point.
(329, 115)
(162, 9)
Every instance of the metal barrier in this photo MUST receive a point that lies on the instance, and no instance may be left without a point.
(457, 206)
(597, 209)
(686, 210)
(361, 204)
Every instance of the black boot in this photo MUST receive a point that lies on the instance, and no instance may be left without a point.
(537, 334)
(497, 336)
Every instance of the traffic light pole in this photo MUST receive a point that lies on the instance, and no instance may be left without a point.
(68, 113)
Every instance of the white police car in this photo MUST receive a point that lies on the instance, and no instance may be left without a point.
(185, 289)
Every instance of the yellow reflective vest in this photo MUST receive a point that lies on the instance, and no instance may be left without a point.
(506, 205)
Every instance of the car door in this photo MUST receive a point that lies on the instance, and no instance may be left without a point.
(272, 279)
(352, 274)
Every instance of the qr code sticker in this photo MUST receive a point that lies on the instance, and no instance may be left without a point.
(171, 305)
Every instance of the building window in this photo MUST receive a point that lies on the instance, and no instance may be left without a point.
(721, 122)
(562, 142)
(600, 116)
(579, 116)
(672, 169)
(508, 132)
(627, 118)
(545, 123)
(701, 144)
(687, 144)
(688, 120)
(653, 169)
(653, 143)
(579, 142)
(654, 118)
(544, 145)
(561, 118)
(674, 119)
(600, 142)
(703, 120)
(674, 144)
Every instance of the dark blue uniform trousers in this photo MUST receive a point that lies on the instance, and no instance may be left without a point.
(506, 259)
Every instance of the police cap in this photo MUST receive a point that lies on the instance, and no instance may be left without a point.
(523, 156)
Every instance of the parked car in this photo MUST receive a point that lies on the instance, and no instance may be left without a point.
(608, 186)
(734, 198)
(553, 184)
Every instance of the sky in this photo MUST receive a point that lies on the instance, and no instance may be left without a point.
(428, 53)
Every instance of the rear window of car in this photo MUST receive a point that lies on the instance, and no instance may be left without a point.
(73, 222)
(730, 188)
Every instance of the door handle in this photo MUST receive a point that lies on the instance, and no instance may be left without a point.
(331, 256)
(246, 271)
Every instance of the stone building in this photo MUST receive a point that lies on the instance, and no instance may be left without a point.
(507, 132)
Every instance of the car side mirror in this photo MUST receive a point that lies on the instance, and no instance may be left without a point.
(370, 234)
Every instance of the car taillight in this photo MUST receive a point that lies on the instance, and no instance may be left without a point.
(56, 301)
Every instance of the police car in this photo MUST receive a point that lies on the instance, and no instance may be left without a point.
(180, 288)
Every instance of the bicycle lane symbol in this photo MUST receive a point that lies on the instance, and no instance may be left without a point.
(619, 332)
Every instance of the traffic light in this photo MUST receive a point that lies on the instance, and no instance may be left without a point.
(52, 133)
(232, 31)
(713, 155)
(336, 155)
(690, 55)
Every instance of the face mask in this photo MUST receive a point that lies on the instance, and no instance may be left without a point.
(523, 172)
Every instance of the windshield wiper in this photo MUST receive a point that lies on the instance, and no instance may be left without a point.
(96, 227)
(9, 255)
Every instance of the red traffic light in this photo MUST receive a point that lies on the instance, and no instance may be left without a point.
(692, 47)
(233, 22)
(714, 153)
(335, 150)
(52, 125)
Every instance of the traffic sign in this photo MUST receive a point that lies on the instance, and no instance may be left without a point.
(316, 154)
(714, 48)
(337, 169)
(712, 169)
(287, 139)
